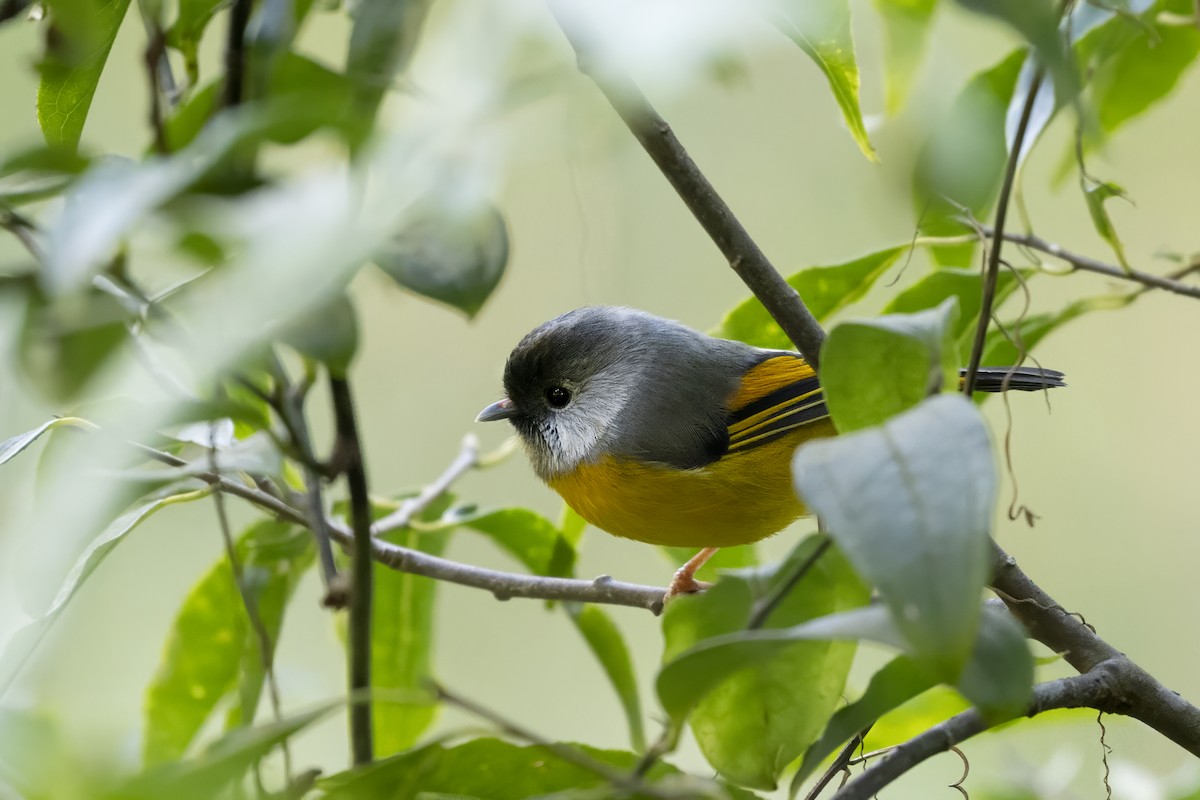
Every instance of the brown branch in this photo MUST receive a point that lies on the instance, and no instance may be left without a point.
(349, 447)
(713, 214)
(992, 270)
(235, 53)
(1087, 264)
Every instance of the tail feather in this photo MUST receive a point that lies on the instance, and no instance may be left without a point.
(1023, 379)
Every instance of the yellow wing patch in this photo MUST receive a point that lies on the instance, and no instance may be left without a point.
(777, 396)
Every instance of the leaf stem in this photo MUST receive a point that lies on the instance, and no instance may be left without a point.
(350, 454)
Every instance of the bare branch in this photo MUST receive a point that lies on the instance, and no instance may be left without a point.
(992, 271)
(713, 214)
(467, 459)
(350, 450)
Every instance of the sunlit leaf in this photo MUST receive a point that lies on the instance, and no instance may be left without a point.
(604, 639)
(525, 535)
(910, 503)
(213, 650)
(73, 64)
(402, 643)
(905, 32)
(494, 769)
(825, 290)
(756, 700)
(821, 28)
(10, 448)
(874, 369)
(453, 255)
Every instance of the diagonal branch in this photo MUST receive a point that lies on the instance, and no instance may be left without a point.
(701, 198)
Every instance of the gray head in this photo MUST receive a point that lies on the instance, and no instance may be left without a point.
(606, 380)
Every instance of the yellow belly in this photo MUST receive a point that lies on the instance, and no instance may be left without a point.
(740, 498)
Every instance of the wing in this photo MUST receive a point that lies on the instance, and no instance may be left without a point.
(776, 396)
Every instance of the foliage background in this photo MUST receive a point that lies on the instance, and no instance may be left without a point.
(1112, 470)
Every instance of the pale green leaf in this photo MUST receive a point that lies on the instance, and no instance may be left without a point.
(905, 33)
(11, 448)
(604, 639)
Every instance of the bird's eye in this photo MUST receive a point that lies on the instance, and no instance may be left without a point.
(557, 396)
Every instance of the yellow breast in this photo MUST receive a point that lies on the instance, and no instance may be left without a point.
(742, 497)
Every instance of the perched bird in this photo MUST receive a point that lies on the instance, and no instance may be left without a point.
(656, 432)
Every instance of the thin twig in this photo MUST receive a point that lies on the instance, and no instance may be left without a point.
(838, 764)
(466, 460)
(701, 198)
(156, 48)
(992, 271)
(266, 648)
(349, 447)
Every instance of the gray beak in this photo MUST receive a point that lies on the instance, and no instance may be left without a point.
(501, 409)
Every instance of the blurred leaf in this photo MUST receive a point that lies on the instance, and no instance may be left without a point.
(34, 758)
(218, 765)
(604, 639)
(754, 708)
(74, 61)
(67, 342)
(1095, 193)
(453, 255)
(328, 334)
(10, 448)
(402, 642)
(910, 503)
(1143, 73)
(38, 173)
(962, 161)
(821, 28)
(493, 769)
(114, 195)
(965, 285)
(915, 716)
(184, 35)
(900, 680)
(998, 678)
(212, 649)
(1036, 22)
(874, 369)
(905, 32)
(382, 41)
(826, 290)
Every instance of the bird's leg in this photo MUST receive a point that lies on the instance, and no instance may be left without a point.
(685, 577)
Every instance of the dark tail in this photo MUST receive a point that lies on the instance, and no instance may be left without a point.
(1023, 379)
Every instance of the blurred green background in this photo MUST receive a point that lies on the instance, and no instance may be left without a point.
(1109, 466)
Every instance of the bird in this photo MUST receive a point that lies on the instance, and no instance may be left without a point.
(653, 431)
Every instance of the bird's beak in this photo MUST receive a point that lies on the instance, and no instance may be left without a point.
(501, 409)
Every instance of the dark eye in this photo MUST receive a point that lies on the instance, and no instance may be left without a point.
(557, 396)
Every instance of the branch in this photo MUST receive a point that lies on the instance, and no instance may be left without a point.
(350, 451)
(467, 459)
(504, 585)
(1088, 264)
(717, 219)
(1097, 689)
(992, 271)
(235, 52)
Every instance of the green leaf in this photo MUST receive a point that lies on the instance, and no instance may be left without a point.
(382, 41)
(821, 28)
(71, 71)
(915, 716)
(184, 35)
(494, 769)
(905, 32)
(999, 351)
(910, 503)
(608, 645)
(1037, 23)
(453, 255)
(998, 678)
(900, 680)
(826, 290)
(38, 173)
(218, 765)
(402, 642)
(66, 343)
(212, 649)
(874, 369)
(965, 285)
(328, 334)
(1095, 193)
(34, 758)
(1143, 73)
(526, 535)
(961, 163)
(10, 448)
(726, 558)
(754, 707)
